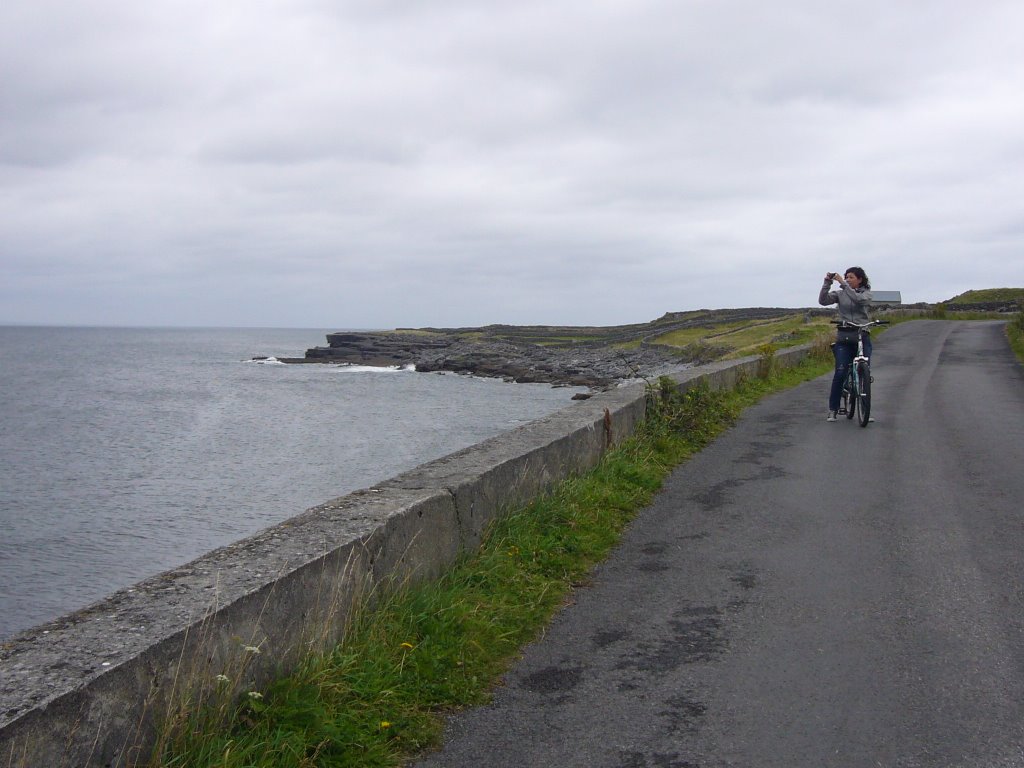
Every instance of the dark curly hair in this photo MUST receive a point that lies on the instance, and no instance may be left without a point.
(861, 275)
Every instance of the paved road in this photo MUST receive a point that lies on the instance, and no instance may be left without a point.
(804, 593)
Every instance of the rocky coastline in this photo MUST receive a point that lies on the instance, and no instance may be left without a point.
(594, 357)
(587, 365)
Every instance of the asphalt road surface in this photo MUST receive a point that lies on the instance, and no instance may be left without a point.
(803, 593)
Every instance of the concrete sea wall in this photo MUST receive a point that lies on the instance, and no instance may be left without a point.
(91, 688)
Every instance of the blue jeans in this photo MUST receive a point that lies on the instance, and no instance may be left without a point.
(844, 354)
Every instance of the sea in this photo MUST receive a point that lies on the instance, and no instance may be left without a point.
(125, 452)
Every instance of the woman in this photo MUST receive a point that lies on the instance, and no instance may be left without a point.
(853, 298)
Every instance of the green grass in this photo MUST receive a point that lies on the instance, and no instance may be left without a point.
(986, 295)
(1015, 335)
(686, 336)
(745, 337)
(788, 332)
(381, 695)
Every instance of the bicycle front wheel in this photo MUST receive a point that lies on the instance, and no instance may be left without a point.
(864, 375)
(850, 394)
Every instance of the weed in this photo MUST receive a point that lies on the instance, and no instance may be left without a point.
(821, 347)
(766, 360)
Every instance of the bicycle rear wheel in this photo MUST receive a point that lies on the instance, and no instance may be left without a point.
(850, 394)
(864, 376)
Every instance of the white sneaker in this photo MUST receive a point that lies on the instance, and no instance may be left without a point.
(831, 416)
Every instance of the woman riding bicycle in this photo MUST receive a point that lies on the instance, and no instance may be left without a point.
(853, 297)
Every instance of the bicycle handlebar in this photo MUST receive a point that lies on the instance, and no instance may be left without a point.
(859, 325)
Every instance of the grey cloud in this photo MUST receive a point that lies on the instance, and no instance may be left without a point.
(500, 162)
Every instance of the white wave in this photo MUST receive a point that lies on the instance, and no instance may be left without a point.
(353, 368)
(266, 361)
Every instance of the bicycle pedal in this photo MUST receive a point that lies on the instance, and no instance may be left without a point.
(841, 411)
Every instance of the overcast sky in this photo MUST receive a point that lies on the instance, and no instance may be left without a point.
(384, 163)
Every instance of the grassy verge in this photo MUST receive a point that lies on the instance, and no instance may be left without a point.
(381, 696)
(1015, 333)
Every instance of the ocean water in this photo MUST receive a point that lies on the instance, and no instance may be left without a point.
(125, 452)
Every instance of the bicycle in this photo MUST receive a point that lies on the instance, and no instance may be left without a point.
(856, 393)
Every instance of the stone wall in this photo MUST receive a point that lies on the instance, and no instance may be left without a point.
(91, 688)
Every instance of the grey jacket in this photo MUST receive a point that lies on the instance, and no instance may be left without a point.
(853, 305)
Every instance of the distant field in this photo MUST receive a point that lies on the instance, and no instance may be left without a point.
(705, 335)
(740, 338)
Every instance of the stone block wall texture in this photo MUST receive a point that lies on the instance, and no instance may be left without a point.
(90, 688)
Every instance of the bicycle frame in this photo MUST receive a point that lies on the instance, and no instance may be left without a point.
(857, 385)
(860, 357)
